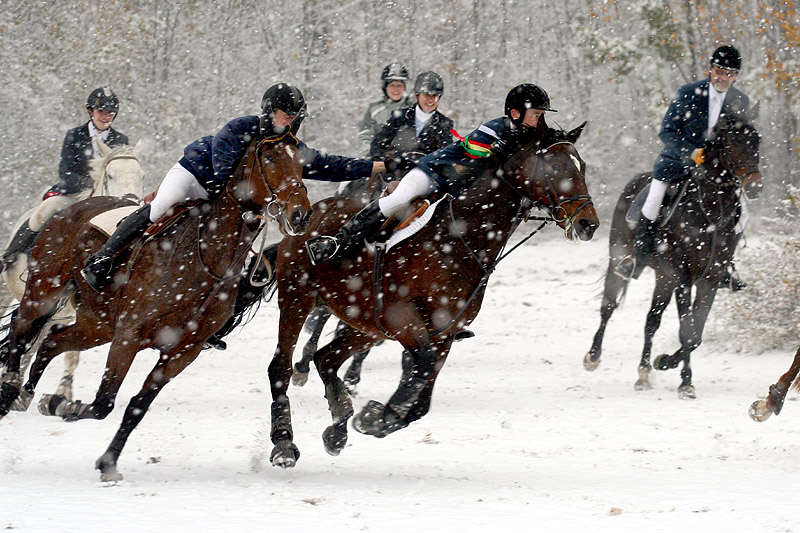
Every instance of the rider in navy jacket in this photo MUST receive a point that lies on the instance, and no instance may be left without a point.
(73, 170)
(208, 165)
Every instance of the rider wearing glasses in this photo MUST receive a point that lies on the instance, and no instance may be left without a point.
(690, 119)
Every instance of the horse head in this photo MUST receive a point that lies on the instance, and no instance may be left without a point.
(553, 175)
(272, 184)
(117, 172)
(732, 153)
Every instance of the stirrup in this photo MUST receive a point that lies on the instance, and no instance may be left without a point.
(324, 257)
(626, 267)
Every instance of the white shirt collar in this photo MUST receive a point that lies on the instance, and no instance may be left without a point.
(421, 118)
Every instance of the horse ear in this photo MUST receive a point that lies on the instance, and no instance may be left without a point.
(137, 150)
(103, 148)
(574, 134)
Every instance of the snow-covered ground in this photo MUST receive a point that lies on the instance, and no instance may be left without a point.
(520, 437)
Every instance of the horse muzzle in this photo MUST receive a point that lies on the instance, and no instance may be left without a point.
(297, 222)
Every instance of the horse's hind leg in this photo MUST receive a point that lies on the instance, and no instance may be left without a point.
(165, 370)
(328, 361)
(613, 290)
(320, 317)
(760, 410)
(49, 403)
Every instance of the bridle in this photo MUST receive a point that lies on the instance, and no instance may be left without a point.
(554, 207)
(729, 166)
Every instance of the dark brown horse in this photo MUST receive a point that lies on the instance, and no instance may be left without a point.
(173, 291)
(760, 410)
(426, 289)
(695, 247)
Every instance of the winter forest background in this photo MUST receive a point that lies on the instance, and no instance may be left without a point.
(183, 68)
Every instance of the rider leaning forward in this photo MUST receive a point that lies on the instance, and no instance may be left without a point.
(209, 163)
(79, 147)
(453, 168)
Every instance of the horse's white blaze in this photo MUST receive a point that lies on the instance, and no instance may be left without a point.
(576, 161)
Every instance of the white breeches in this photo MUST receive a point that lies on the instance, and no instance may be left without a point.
(413, 185)
(655, 196)
(48, 208)
(179, 185)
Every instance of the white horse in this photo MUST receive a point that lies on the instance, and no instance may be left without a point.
(115, 172)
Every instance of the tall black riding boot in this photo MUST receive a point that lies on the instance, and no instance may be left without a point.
(22, 242)
(99, 269)
(643, 247)
(324, 247)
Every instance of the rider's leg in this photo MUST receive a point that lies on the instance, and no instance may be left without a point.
(414, 184)
(645, 233)
(179, 185)
(23, 239)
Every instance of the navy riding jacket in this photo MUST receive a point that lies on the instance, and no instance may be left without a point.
(685, 125)
(73, 171)
(213, 159)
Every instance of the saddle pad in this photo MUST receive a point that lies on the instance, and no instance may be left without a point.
(108, 221)
(409, 228)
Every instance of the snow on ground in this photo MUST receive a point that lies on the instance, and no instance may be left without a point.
(520, 437)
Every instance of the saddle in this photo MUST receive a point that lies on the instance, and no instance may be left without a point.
(108, 221)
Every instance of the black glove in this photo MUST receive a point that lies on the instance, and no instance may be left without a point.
(511, 141)
(401, 163)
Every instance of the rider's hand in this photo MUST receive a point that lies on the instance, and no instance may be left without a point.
(698, 156)
(50, 194)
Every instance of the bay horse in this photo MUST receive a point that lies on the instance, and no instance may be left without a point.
(760, 410)
(114, 172)
(173, 289)
(695, 246)
(426, 290)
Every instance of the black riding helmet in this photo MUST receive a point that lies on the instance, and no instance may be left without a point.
(727, 57)
(286, 98)
(524, 97)
(429, 83)
(103, 99)
(393, 72)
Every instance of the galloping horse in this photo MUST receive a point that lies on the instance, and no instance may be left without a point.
(114, 172)
(695, 246)
(173, 290)
(421, 292)
(760, 410)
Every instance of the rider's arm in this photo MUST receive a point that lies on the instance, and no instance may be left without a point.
(325, 167)
(70, 167)
(230, 144)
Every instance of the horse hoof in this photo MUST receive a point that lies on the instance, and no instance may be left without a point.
(107, 466)
(588, 364)
(23, 401)
(335, 437)
(371, 421)
(643, 383)
(52, 404)
(285, 454)
(299, 378)
(9, 392)
(760, 411)
(661, 362)
(686, 392)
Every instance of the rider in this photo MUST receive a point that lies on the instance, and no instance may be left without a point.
(209, 163)
(690, 118)
(454, 167)
(79, 147)
(414, 131)
(393, 86)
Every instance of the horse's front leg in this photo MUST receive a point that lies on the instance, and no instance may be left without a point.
(294, 309)
(662, 294)
(328, 361)
(411, 400)
(760, 410)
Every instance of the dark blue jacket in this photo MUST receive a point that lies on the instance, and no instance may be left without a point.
(685, 124)
(73, 171)
(456, 166)
(213, 159)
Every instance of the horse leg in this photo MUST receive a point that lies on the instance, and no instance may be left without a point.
(294, 308)
(165, 370)
(661, 298)
(613, 290)
(302, 367)
(49, 403)
(693, 320)
(352, 376)
(760, 410)
(328, 360)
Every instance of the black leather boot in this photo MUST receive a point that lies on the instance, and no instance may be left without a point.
(22, 242)
(643, 247)
(99, 269)
(731, 280)
(324, 247)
